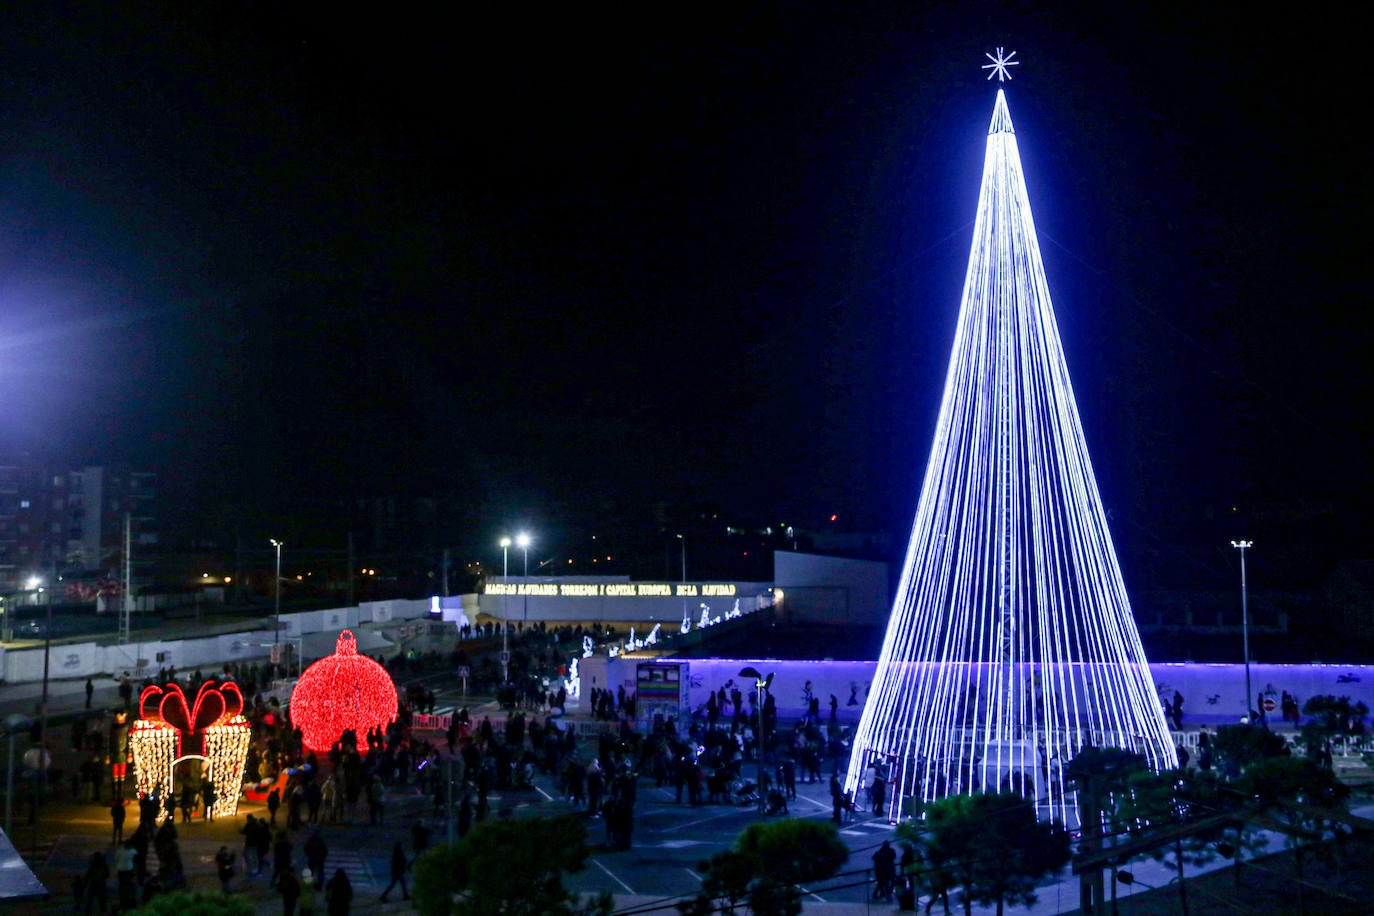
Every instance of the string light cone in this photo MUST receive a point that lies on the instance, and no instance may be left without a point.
(1011, 644)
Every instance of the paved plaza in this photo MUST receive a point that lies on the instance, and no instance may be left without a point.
(670, 838)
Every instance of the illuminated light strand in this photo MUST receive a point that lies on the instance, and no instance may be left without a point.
(1011, 644)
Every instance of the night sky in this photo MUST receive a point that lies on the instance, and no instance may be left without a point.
(563, 263)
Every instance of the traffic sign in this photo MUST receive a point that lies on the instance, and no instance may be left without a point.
(464, 671)
(505, 656)
(1268, 704)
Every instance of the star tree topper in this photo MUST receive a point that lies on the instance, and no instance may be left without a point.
(1000, 64)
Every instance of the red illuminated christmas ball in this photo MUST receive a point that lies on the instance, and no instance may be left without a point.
(342, 691)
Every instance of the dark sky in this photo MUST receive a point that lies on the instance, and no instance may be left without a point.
(564, 261)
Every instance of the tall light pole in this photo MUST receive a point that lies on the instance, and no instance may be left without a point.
(522, 541)
(276, 609)
(1243, 546)
(505, 644)
(47, 657)
(683, 539)
(761, 685)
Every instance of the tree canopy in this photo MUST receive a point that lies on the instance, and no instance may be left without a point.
(992, 845)
(512, 866)
(1238, 746)
(765, 865)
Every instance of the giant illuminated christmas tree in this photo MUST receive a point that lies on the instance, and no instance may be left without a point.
(1011, 644)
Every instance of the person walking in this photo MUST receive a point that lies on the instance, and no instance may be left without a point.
(306, 901)
(290, 889)
(263, 842)
(338, 894)
(596, 785)
(398, 872)
(314, 800)
(117, 814)
(250, 844)
(315, 852)
(208, 797)
(281, 863)
(884, 871)
(90, 692)
(224, 868)
(273, 803)
(97, 873)
(879, 794)
(188, 803)
(126, 876)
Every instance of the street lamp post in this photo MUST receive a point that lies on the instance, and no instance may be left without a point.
(760, 686)
(523, 542)
(505, 624)
(47, 658)
(276, 609)
(1243, 546)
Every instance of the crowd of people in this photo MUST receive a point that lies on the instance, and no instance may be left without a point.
(285, 851)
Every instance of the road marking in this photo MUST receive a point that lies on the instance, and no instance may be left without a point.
(860, 829)
(701, 820)
(628, 889)
(695, 877)
(353, 863)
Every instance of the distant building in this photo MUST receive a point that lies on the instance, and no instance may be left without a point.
(1349, 594)
(67, 524)
(832, 590)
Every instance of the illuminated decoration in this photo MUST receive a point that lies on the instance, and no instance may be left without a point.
(706, 618)
(631, 643)
(573, 682)
(340, 692)
(213, 730)
(1000, 64)
(612, 589)
(1011, 643)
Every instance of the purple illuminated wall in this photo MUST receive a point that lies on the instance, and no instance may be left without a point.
(1213, 694)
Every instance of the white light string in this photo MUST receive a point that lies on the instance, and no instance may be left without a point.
(1011, 644)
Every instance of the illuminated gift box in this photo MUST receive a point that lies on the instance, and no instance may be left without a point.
(213, 730)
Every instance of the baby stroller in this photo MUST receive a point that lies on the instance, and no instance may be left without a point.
(744, 793)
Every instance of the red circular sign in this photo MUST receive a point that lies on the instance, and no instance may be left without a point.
(1268, 704)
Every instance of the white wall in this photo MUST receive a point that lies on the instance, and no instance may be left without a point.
(819, 589)
(617, 609)
(88, 659)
